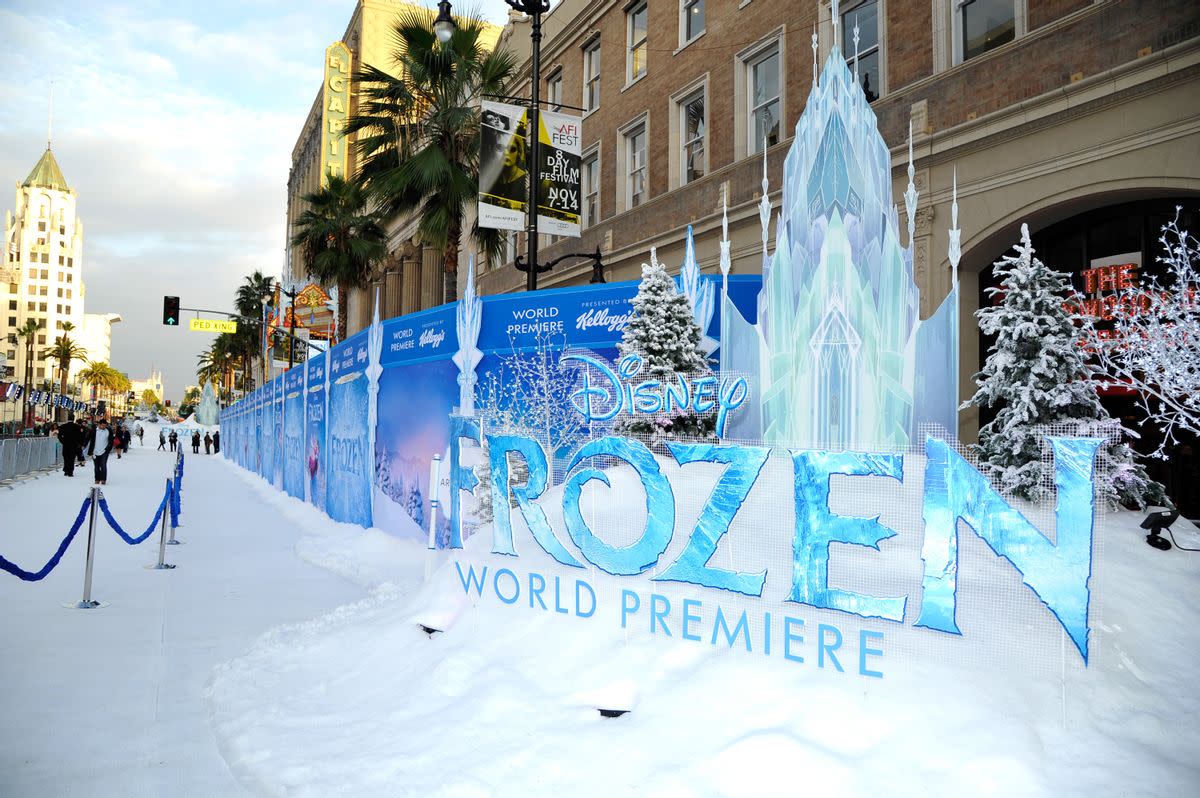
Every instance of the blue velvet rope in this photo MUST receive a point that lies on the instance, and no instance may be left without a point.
(36, 576)
(132, 541)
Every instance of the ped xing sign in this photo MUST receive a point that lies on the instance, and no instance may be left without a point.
(212, 325)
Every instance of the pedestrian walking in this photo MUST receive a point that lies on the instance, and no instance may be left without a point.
(173, 439)
(196, 442)
(208, 443)
(71, 436)
(162, 441)
(99, 444)
(140, 433)
(217, 442)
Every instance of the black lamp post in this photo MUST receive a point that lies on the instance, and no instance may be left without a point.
(443, 26)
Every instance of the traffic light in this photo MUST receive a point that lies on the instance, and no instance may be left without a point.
(171, 311)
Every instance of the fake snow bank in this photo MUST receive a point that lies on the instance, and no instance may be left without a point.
(504, 701)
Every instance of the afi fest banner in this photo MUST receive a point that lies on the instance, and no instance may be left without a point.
(559, 171)
(503, 165)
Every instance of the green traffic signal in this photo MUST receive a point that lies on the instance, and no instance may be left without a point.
(170, 310)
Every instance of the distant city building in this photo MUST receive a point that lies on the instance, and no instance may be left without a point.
(152, 383)
(41, 276)
(96, 338)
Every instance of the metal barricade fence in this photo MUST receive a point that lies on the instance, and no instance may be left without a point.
(20, 456)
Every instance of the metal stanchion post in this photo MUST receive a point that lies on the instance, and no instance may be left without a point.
(87, 603)
(162, 536)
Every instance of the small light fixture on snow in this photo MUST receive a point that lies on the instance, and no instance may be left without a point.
(612, 713)
(429, 630)
(1158, 520)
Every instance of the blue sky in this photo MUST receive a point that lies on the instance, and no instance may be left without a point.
(174, 121)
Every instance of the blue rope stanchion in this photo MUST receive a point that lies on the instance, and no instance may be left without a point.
(132, 541)
(36, 576)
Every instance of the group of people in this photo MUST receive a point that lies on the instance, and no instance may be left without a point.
(95, 439)
(212, 441)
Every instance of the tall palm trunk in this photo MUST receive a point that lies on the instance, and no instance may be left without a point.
(343, 287)
(61, 412)
(453, 239)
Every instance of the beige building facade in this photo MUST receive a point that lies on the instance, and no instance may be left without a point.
(410, 277)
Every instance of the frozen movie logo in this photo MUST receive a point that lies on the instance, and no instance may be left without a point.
(614, 393)
(535, 321)
(346, 455)
(432, 337)
(612, 322)
(1057, 573)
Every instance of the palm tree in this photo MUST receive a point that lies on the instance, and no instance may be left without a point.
(249, 303)
(339, 238)
(63, 352)
(27, 334)
(420, 131)
(95, 374)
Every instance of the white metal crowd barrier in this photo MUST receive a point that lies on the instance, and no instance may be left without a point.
(21, 456)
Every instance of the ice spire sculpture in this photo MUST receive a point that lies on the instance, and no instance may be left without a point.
(910, 193)
(764, 212)
(701, 294)
(814, 49)
(726, 261)
(835, 348)
(954, 252)
(468, 318)
(207, 412)
(373, 372)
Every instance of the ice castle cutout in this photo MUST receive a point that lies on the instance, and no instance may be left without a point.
(839, 355)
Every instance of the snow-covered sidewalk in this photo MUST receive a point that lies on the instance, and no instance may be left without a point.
(110, 702)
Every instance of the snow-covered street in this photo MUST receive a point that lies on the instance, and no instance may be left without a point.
(251, 670)
(109, 702)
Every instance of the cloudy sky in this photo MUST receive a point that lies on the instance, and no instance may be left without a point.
(174, 121)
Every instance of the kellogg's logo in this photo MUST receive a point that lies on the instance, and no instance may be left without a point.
(613, 322)
(431, 337)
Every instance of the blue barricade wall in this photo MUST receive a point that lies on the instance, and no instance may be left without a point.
(309, 432)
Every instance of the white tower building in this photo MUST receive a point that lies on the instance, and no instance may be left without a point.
(41, 275)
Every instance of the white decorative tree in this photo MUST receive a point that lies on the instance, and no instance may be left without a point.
(1154, 344)
(663, 331)
(1037, 375)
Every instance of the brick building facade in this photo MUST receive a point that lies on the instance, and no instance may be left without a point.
(1046, 109)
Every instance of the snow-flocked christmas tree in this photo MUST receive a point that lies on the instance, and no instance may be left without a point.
(663, 331)
(1037, 374)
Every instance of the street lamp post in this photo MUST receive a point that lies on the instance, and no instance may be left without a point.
(443, 26)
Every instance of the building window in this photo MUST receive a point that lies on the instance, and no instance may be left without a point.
(12, 304)
(44, 290)
(33, 274)
(68, 293)
(70, 278)
(12, 322)
(45, 274)
(62, 259)
(764, 79)
(62, 229)
(693, 124)
(41, 342)
(591, 188)
(41, 229)
(68, 310)
(41, 372)
(58, 325)
(554, 89)
(591, 76)
(58, 308)
(45, 257)
(60, 293)
(636, 184)
(635, 58)
(41, 241)
(42, 307)
(31, 306)
(691, 20)
(984, 25)
(70, 262)
(866, 17)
